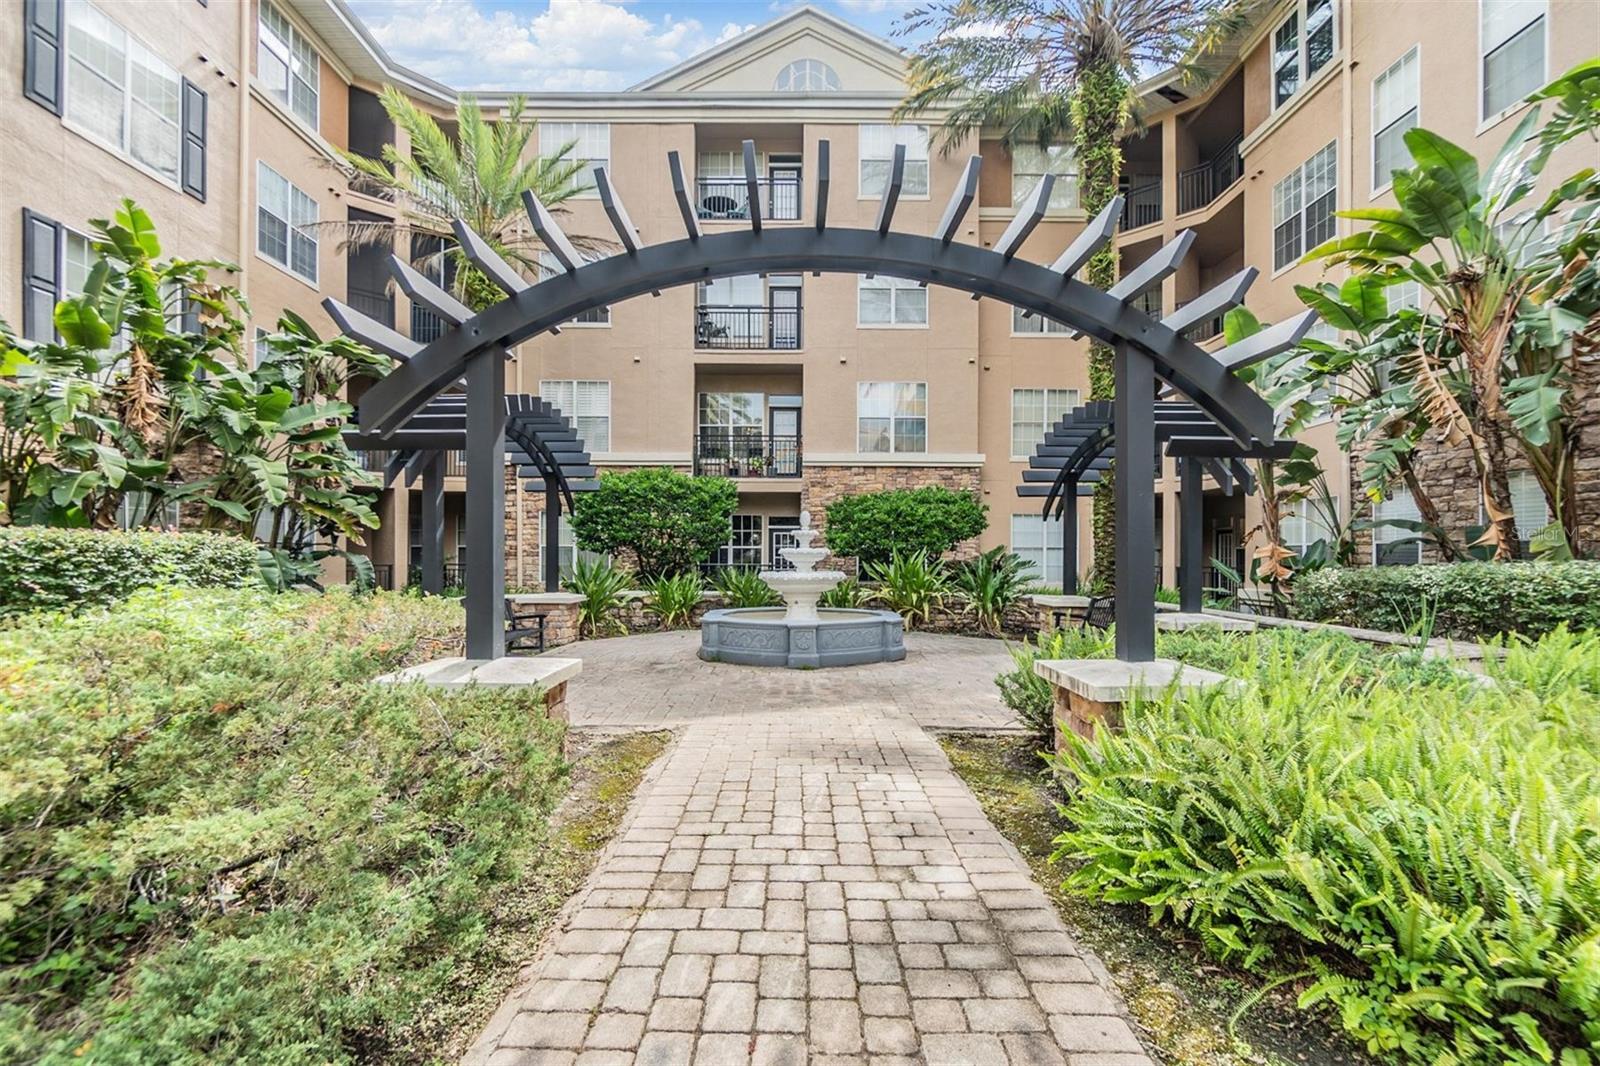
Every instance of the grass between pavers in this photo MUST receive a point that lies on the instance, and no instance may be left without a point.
(1182, 1000)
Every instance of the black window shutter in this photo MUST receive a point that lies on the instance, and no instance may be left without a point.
(42, 59)
(41, 276)
(194, 141)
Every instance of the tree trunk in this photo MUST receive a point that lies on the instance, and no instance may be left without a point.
(1429, 513)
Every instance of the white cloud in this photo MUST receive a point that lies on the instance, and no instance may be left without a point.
(571, 45)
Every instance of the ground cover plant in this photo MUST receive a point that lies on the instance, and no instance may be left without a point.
(219, 844)
(1420, 849)
(45, 569)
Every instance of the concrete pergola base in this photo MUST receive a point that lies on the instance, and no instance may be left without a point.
(455, 672)
(1090, 691)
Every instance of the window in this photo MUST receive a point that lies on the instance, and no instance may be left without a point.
(1395, 545)
(591, 146)
(877, 156)
(1394, 110)
(549, 267)
(262, 349)
(892, 416)
(588, 404)
(1029, 163)
(135, 512)
(1036, 541)
(729, 414)
(120, 93)
(807, 76)
(1304, 526)
(1511, 36)
(1528, 505)
(567, 553)
(285, 221)
(1037, 324)
(1296, 55)
(1033, 411)
(1302, 207)
(882, 301)
(744, 542)
(287, 65)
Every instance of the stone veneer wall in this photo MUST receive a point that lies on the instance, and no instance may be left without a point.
(824, 484)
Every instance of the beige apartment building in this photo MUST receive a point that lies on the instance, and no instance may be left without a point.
(224, 119)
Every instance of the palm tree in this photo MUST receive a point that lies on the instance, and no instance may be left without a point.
(478, 177)
(1045, 72)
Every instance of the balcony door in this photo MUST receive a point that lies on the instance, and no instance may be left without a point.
(783, 178)
(731, 433)
(785, 440)
(783, 301)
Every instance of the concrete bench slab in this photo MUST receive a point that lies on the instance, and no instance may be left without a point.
(510, 671)
(1177, 621)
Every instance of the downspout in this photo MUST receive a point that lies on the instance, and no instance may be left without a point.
(1347, 162)
(244, 184)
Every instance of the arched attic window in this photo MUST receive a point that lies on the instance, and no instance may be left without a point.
(807, 76)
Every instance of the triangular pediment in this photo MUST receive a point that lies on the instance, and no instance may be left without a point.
(753, 61)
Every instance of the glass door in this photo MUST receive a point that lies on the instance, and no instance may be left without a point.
(783, 300)
(785, 456)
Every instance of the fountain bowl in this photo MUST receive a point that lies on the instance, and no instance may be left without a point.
(769, 636)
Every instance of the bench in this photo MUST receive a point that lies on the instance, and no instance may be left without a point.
(524, 627)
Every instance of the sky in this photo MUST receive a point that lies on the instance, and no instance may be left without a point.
(567, 45)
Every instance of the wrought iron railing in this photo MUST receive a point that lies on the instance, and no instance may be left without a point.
(374, 303)
(425, 325)
(1199, 185)
(1142, 205)
(738, 455)
(729, 197)
(382, 575)
(375, 460)
(1204, 329)
(746, 328)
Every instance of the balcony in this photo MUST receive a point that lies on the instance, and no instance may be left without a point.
(1200, 185)
(1142, 205)
(425, 325)
(729, 198)
(746, 328)
(735, 454)
(1203, 330)
(376, 304)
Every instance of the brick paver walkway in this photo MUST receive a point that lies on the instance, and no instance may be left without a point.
(808, 884)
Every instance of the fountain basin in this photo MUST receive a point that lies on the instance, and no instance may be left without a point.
(768, 636)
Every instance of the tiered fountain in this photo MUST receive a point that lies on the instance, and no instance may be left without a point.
(802, 635)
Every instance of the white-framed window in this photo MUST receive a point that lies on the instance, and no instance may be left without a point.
(1037, 541)
(1034, 325)
(877, 157)
(588, 404)
(1528, 505)
(131, 513)
(1304, 526)
(286, 220)
(567, 553)
(886, 301)
(1033, 411)
(1302, 44)
(287, 64)
(744, 542)
(591, 146)
(807, 76)
(892, 416)
(122, 94)
(1029, 164)
(730, 414)
(549, 267)
(1303, 204)
(1511, 41)
(261, 348)
(1395, 97)
(1396, 545)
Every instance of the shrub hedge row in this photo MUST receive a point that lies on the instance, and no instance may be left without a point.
(1468, 600)
(50, 569)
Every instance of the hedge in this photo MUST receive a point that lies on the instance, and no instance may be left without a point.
(50, 569)
(1467, 600)
(872, 526)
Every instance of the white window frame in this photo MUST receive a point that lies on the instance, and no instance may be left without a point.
(1381, 181)
(297, 54)
(894, 416)
(290, 227)
(1298, 16)
(595, 317)
(909, 135)
(1036, 325)
(566, 394)
(1049, 550)
(1488, 118)
(1383, 535)
(554, 135)
(567, 551)
(123, 146)
(1298, 176)
(1064, 400)
(895, 286)
(1058, 159)
(738, 539)
(813, 70)
(1523, 484)
(1310, 525)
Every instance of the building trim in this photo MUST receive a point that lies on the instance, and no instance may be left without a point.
(894, 459)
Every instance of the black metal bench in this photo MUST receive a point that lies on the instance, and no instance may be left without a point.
(524, 627)
(1101, 613)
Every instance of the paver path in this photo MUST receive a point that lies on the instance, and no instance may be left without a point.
(808, 884)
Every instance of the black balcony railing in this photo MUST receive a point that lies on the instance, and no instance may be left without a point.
(374, 303)
(373, 459)
(733, 454)
(746, 328)
(1142, 205)
(382, 575)
(425, 325)
(1199, 185)
(730, 197)
(1205, 329)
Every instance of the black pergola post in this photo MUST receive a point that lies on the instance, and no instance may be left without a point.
(1135, 505)
(486, 497)
(433, 524)
(1191, 535)
(552, 537)
(1069, 539)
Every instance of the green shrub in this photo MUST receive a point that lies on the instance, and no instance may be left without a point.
(912, 584)
(1426, 846)
(1029, 694)
(218, 844)
(744, 588)
(602, 586)
(874, 525)
(671, 522)
(674, 599)
(52, 569)
(847, 593)
(990, 583)
(1467, 600)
